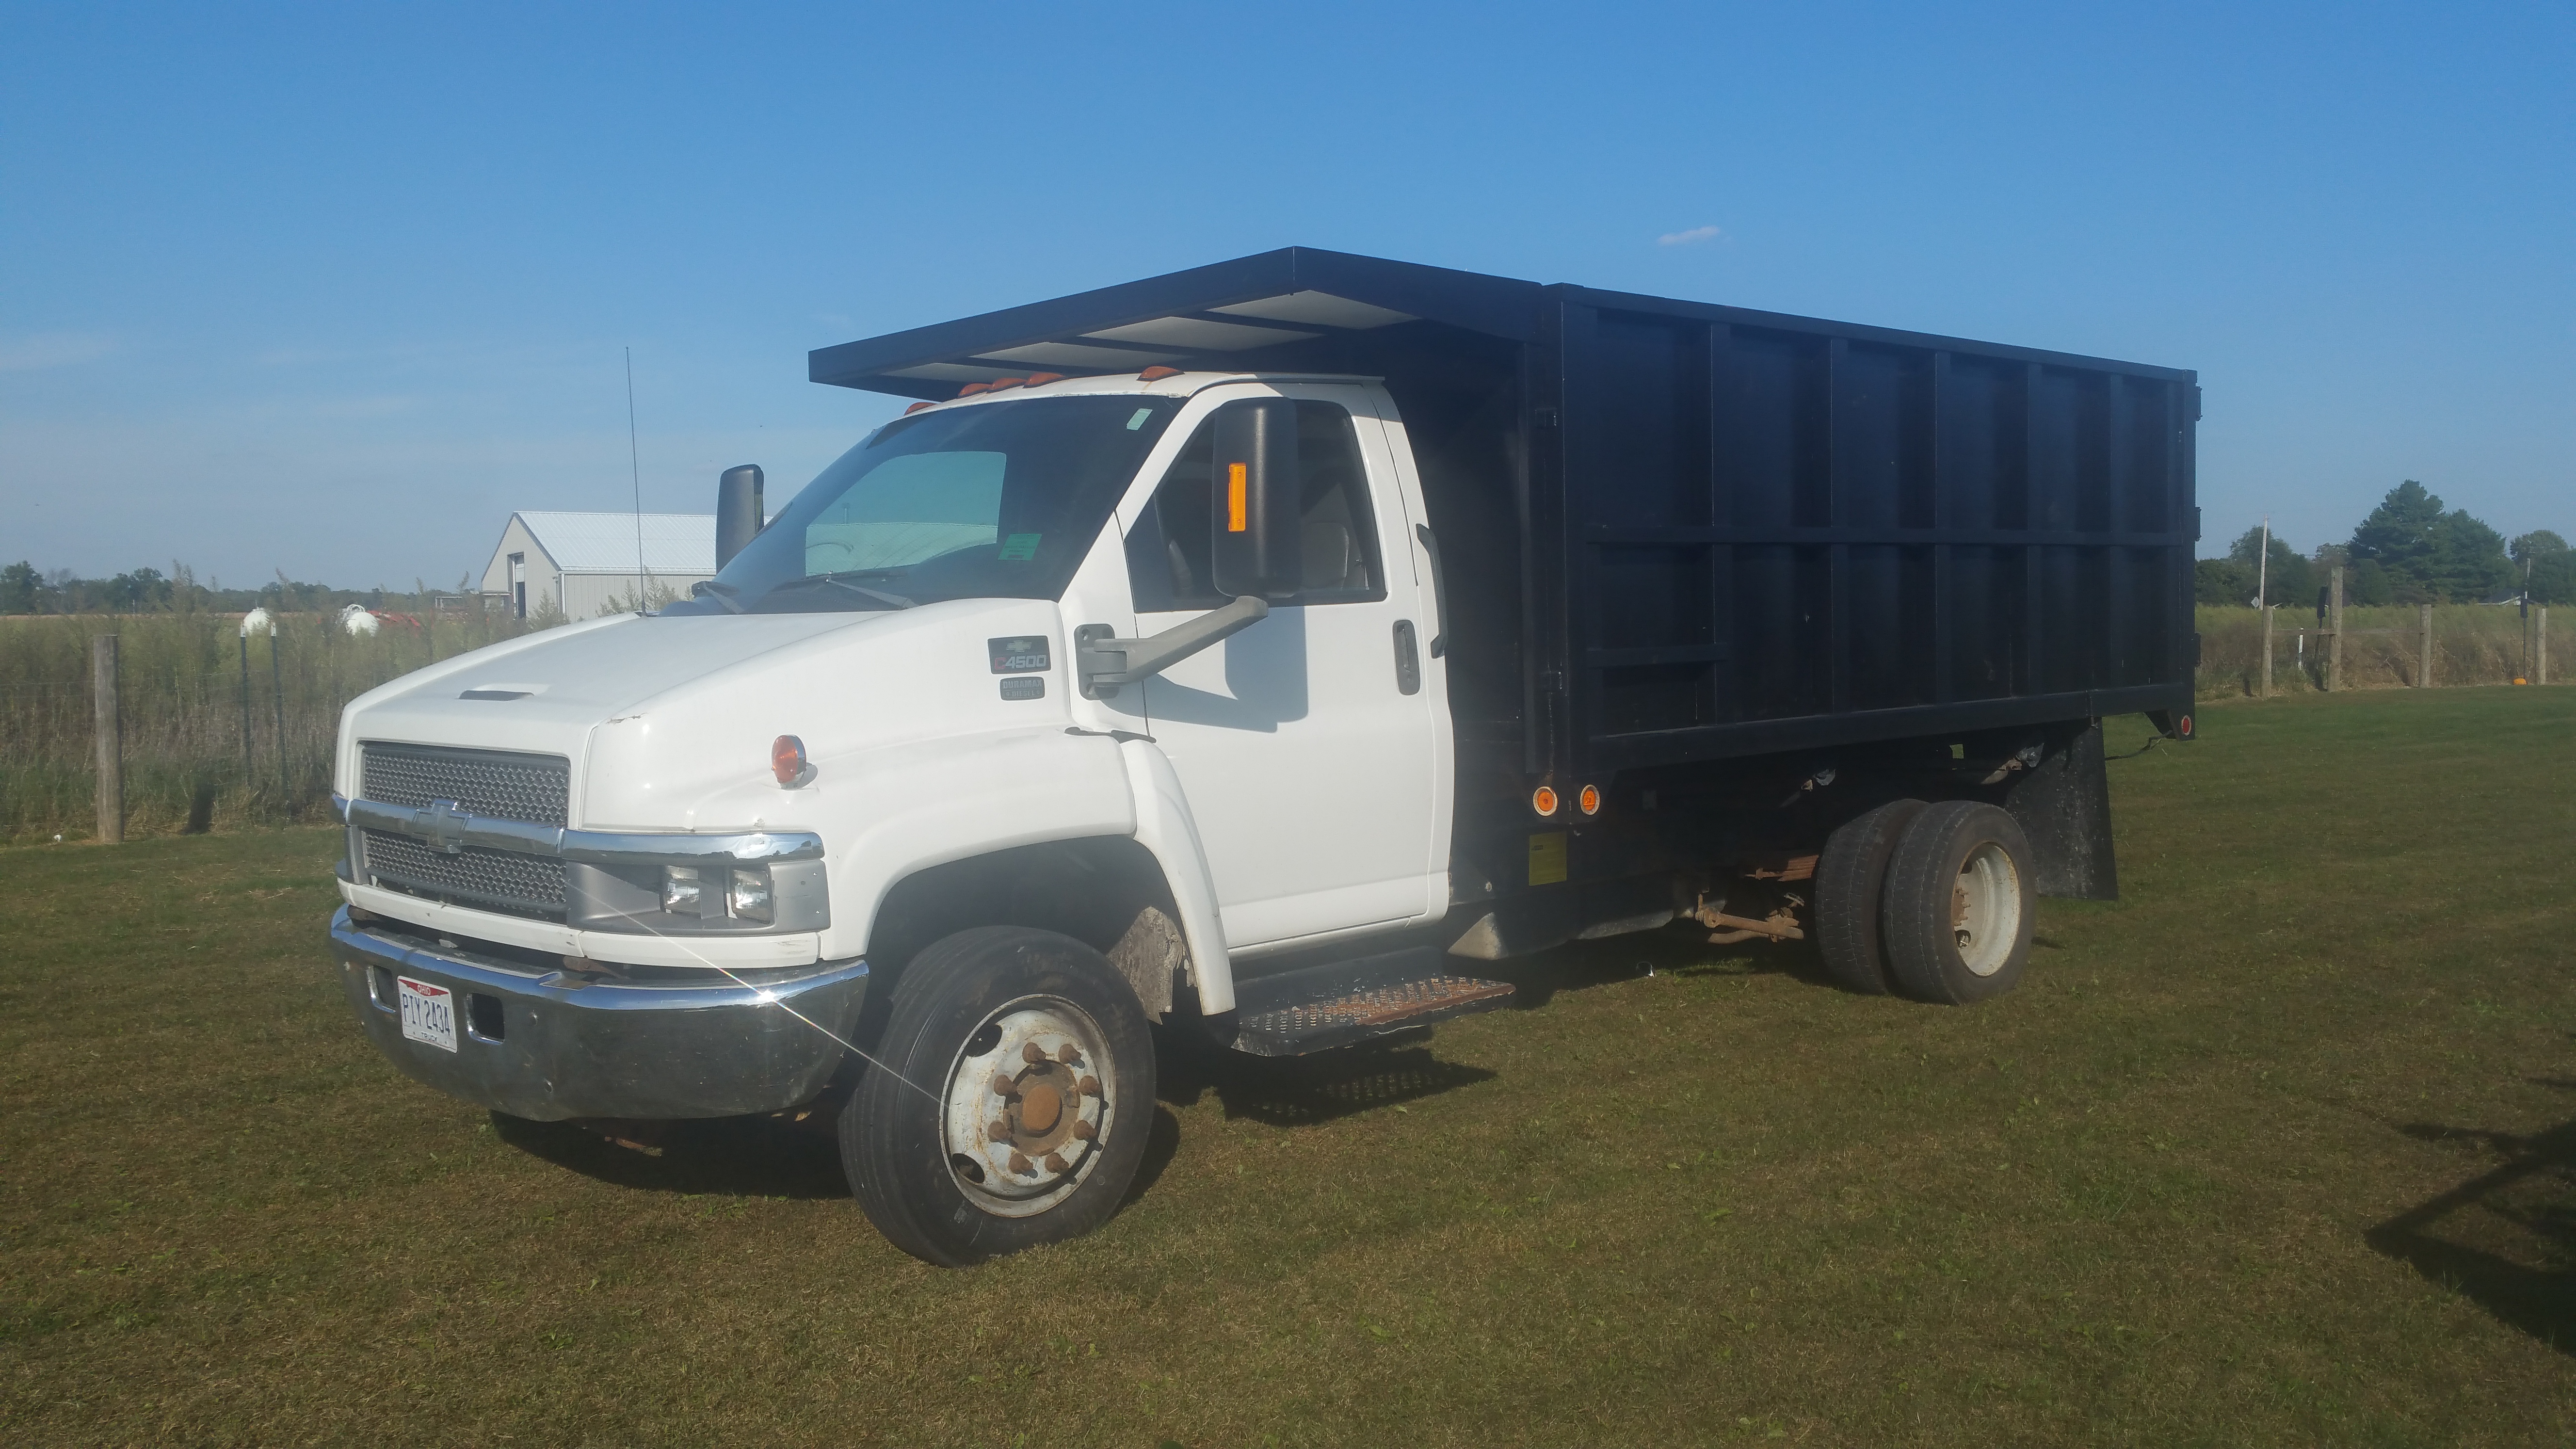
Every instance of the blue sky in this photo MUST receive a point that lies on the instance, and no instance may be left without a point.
(334, 289)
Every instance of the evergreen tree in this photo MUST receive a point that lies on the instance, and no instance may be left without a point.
(2398, 536)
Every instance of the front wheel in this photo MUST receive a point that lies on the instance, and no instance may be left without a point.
(1008, 1102)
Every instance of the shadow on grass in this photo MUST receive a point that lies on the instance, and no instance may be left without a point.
(740, 1156)
(2506, 1238)
(1677, 950)
(1302, 1091)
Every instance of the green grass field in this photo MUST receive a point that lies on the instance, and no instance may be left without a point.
(2280, 1148)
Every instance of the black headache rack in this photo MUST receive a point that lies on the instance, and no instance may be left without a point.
(1676, 532)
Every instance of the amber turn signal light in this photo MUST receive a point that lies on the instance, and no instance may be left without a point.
(1543, 800)
(1589, 799)
(787, 761)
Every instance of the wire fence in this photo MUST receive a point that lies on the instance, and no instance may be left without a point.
(217, 732)
(2472, 644)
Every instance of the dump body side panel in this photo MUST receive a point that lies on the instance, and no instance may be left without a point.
(1779, 533)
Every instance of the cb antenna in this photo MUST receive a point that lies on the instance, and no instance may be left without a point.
(635, 475)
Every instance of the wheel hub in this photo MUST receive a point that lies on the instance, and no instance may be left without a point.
(1027, 1107)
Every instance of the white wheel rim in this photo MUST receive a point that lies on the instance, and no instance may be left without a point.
(1985, 909)
(1019, 1152)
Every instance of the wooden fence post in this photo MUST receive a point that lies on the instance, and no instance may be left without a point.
(111, 739)
(2267, 651)
(2424, 662)
(2543, 676)
(2334, 644)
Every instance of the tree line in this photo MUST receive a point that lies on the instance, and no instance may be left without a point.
(24, 589)
(2410, 550)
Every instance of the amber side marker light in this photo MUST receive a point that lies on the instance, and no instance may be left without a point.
(1041, 379)
(1234, 499)
(1157, 374)
(916, 407)
(1543, 800)
(787, 761)
(1589, 799)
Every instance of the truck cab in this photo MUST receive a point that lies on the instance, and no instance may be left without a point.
(1069, 704)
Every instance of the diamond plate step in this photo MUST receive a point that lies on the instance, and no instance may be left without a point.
(1346, 1002)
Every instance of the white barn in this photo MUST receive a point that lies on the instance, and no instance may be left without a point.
(584, 563)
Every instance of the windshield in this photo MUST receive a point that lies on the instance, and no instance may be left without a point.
(996, 501)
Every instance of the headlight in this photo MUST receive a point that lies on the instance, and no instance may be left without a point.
(750, 896)
(683, 894)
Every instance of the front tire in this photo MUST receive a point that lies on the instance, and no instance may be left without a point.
(1956, 913)
(1009, 1100)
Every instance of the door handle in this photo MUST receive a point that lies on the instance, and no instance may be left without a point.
(1408, 662)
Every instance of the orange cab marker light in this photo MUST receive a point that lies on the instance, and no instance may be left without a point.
(1589, 799)
(1000, 383)
(1041, 379)
(1234, 497)
(1543, 800)
(972, 388)
(1157, 374)
(787, 761)
(916, 407)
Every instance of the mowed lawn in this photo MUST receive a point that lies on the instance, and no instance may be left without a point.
(2280, 1148)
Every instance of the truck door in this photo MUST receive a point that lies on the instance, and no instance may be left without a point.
(1308, 743)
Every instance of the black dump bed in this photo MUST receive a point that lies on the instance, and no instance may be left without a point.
(1673, 531)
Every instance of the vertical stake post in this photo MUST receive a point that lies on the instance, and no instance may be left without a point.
(2267, 651)
(2542, 677)
(2334, 643)
(2424, 666)
(245, 657)
(277, 691)
(111, 739)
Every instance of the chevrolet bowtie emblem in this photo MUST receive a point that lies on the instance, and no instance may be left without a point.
(442, 824)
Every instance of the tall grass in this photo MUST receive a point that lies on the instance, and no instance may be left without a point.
(2472, 644)
(192, 761)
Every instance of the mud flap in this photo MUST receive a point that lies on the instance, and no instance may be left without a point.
(2064, 806)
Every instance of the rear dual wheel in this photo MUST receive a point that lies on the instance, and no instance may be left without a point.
(1933, 901)
(1008, 1101)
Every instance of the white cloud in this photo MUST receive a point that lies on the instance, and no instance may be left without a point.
(1694, 235)
(38, 351)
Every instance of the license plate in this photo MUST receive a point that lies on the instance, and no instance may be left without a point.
(428, 1012)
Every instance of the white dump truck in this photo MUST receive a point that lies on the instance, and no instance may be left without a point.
(1264, 651)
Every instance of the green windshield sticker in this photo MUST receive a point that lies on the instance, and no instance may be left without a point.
(1020, 547)
(1138, 421)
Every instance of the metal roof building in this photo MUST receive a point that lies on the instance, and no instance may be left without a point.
(585, 563)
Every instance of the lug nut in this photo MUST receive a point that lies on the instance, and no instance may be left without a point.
(1020, 1163)
(1090, 1087)
(1055, 1164)
(1033, 1054)
(1084, 1130)
(997, 1129)
(1004, 1086)
(1069, 1054)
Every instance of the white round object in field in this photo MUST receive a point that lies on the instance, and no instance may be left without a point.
(358, 621)
(257, 621)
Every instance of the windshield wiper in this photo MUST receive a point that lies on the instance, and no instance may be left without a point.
(721, 593)
(844, 581)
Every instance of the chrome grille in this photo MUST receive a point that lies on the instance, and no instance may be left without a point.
(499, 783)
(521, 885)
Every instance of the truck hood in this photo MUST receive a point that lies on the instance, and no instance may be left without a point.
(668, 720)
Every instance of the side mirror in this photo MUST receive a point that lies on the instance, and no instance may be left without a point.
(1257, 513)
(739, 516)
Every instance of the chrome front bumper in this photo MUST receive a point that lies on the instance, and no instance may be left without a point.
(549, 1045)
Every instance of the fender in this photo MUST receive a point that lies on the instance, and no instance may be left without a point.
(934, 801)
(1167, 830)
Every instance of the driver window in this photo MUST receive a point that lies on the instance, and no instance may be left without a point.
(1168, 551)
